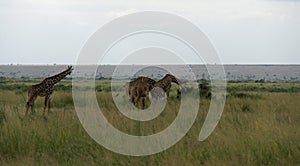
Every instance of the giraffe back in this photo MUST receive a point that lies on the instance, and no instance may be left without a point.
(42, 89)
(140, 81)
(46, 87)
(165, 82)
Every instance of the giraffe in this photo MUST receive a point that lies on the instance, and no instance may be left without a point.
(140, 92)
(138, 82)
(139, 89)
(45, 89)
(165, 84)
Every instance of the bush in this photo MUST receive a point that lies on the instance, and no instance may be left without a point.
(22, 87)
(260, 81)
(243, 95)
(63, 87)
(245, 107)
(102, 88)
(204, 88)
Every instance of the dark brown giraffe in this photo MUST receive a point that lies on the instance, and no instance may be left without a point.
(45, 89)
(139, 89)
(165, 84)
(138, 82)
(140, 92)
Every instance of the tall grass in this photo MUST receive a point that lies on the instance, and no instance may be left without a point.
(256, 128)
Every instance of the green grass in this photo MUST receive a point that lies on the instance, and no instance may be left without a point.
(258, 127)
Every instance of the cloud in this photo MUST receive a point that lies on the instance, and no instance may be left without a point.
(121, 12)
(62, 26)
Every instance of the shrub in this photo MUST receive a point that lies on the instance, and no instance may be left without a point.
(243, 95)
(22, 87)
(102, 88)
(204, 88)
(245, 107)
(63, 87)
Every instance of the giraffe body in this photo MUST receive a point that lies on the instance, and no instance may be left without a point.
(45, 89)
(141, 87)
(165, 84)
(140, 92)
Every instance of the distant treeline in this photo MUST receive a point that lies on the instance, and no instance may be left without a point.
(204, 85)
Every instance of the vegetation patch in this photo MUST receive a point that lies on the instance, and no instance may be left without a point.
(259, 126)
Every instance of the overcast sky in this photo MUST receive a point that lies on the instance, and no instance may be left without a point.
(242, 31)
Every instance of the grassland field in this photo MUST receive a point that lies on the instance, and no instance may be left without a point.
(259, 126)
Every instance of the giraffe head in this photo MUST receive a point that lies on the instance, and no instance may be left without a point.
(177, 81)
(171, 78)
(69, 70)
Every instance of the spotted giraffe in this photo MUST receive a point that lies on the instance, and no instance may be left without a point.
(140, 92)
(165, 85)
(45, 89)
(139, 81)
(139, 89)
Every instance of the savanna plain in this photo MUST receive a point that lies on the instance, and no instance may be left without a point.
(259, 126)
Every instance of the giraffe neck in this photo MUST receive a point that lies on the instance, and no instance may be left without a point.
(58, 77)
(172, 78)
(166, 81)
(163, 83)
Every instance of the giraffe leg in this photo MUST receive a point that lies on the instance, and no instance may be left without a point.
(30, 104)
(29, 101)
(45, 103)
(136, 102)
(143, 102)
(178, 93)
(27, 108)
(132, 99)
(49, 100)
(32, 108)
(134, 96)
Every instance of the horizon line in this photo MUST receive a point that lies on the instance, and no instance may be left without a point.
(63, 64)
